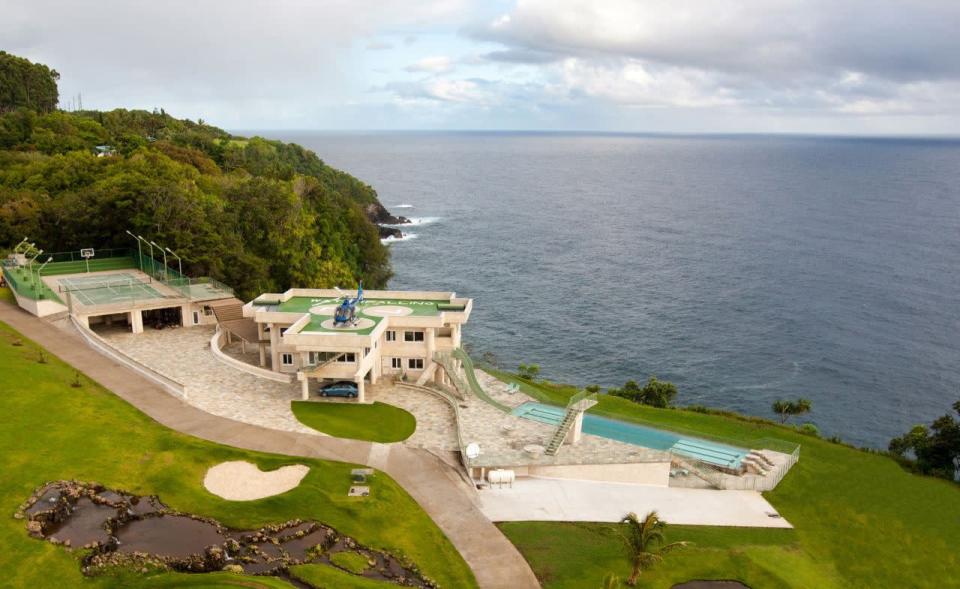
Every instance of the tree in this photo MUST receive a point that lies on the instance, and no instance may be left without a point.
(936, 450)
(529, 371)
(786, 409)
(26, 84)
(610, 581)
(644, 541)
(656, 393)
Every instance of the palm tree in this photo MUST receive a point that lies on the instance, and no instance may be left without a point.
(611, 581)
(644, 541)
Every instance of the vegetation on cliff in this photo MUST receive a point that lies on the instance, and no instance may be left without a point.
(260, 215)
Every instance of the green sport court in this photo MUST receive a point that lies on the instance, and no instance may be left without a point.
(103, 289)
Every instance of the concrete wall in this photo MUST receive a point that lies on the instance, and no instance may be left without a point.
(646, 473)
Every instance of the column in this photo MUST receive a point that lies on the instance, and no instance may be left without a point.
(304, 386)
(431, 345)
(577, 433)
(136, 321)
(263, 351)
(274, 342)
(186, 317)
(361, 396)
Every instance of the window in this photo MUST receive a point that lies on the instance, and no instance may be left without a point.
(347, 358)
(366, 352)
(196, 318)
(415, 363)
(391, 336)
(283, 330)
(286, 359)
(313, 358)
(413, 336)
(396, 363)
(207, 310)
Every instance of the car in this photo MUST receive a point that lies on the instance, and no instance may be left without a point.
(343, 388)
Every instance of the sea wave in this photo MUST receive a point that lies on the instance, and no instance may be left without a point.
(392, 239)
(414, 221)
(401, 206)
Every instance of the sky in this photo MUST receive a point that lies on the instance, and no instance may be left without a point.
(861, 67)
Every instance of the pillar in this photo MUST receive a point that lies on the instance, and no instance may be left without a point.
(274, 342)
(186, 316)
(361, 396)
(577, 433)
(304, 387)
(136, 321)
(431, 344)
(263, 354)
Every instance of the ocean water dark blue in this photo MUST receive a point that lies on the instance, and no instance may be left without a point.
(744, 269)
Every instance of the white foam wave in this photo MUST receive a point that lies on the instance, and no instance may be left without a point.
(414, 221)
(392, 239)
(401, 206)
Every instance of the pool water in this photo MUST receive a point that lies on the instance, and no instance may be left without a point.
(638, 435)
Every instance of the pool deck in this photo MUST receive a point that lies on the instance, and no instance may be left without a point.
(546, 499)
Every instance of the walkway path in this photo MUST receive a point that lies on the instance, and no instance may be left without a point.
(495, 562)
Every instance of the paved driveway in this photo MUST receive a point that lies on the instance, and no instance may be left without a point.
(543, 499)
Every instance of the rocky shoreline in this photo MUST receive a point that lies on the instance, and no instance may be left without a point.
(385, 221)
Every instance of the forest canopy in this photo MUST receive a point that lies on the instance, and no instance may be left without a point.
(260, 215)
(26, 84)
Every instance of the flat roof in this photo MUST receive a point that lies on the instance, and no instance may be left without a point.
(370, 312)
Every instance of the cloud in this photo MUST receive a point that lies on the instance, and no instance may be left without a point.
(852, 56)
(432, 65)
(379, 46)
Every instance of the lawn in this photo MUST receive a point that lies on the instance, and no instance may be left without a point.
(51, 430)
(378, 422)
(860, 520)
(328, 577)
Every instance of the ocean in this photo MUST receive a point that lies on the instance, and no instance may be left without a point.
(742, 268)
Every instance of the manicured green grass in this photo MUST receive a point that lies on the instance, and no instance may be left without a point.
(208, 581)
(6, 295)
(328, 577)
(860, 520)
(377, 422)
(353, 562)
(50, 430)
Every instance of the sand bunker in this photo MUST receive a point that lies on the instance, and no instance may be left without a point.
(242, 481)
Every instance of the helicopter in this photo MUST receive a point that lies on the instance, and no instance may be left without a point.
(346, 312)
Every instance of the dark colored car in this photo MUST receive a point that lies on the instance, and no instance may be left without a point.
(343, 388)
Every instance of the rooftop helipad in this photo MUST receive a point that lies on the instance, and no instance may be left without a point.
(370, 312)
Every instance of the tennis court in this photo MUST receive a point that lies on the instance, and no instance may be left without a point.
(102, 289)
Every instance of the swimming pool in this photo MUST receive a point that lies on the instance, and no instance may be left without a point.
(638, 435)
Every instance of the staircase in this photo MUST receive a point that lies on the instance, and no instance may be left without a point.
(446, 361)
(562, 430)
(315, 371)
(578, 404)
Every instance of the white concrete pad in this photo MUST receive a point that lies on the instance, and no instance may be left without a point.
(543, 499)
(239, 480)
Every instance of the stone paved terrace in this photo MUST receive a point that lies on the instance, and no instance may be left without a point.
(502, 436)
(184, 354)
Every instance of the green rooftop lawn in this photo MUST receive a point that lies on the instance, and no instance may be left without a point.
(377, 422)
(421, 308)
(860, 520)
(51, 430)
